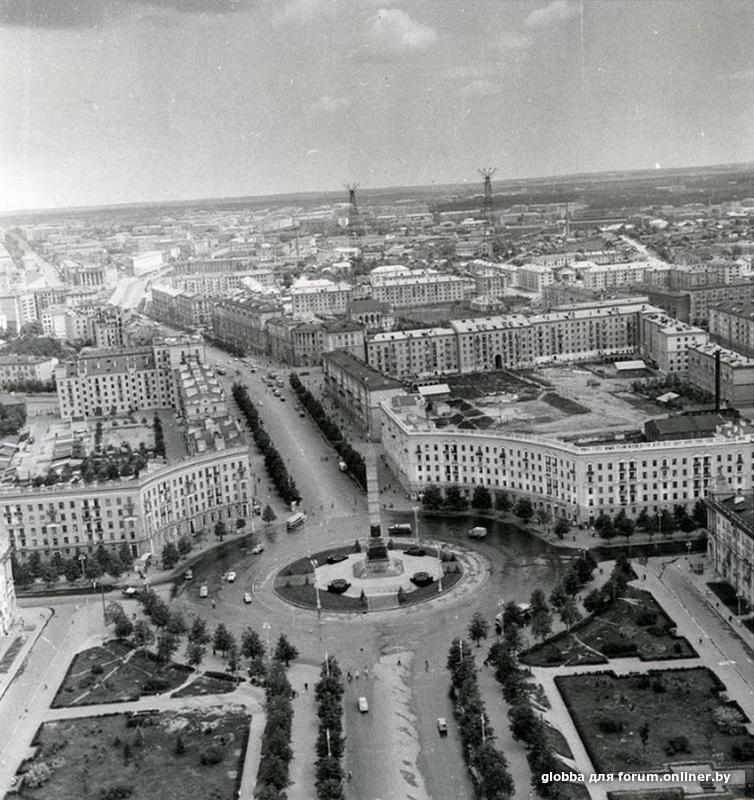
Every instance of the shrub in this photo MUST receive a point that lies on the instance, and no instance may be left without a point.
(156, 684)
(727, 719)
(613, 649)
(677, 744)
(657, 630)
(97, 669)
(210, 755)
(658, 687)
(610, 725)
(37, 775)
(118, 792)
(646, 618)
(743, 751)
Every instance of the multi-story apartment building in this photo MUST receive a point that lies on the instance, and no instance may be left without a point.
(17, 307)
(162, 504)
(534, 277)
(209, 266)
(242, 323)
(180, 308)
(16, 368)
(343, 334)
(8, 611)
(98, 382)
(358, 390)
(730, 543)
(294, 342)
(560, 476)
(213, 284)
(404, 288)
(731, 324)
(667, 341)
(712, 273)
(310, 297)
(736, 374)
(199, 394)
(372, 314)
(695, 304)
(605, 276)
(415, 353)
(491, 282)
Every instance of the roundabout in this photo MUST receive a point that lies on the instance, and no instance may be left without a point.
(381, 576)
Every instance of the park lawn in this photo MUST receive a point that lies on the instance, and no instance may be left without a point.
(122, 678)
(635, 619)
(207, 684)
(672, 702)
(306, 596)
(422, 593)
(90, 755)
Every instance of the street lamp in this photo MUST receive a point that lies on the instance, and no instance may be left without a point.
(416, 523)
(439, 558)
(82, 560)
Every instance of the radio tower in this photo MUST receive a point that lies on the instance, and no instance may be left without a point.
(353, 209)
(487, 173)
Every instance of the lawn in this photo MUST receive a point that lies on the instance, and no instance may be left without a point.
(306, 596)
(93, 756)
(564, 404)
(635, 626)
(475, 385)
(207, 684)
(116, 673)
(677, 706)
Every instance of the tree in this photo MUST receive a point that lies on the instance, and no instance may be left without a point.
(251, 644)
(479, 628)
(221, 530)
(285, 651)
(455, 500)
(513, 638)
(234, 657)
(523, 721)
(176, 624)
(223, 639)
(624, 526)
(198, 633)
(562, 527)
(194, 654)
(502, 502)
(523, 509)
(667, 522)
(159, 613)
(432, 498)
(167, 644)
(541, 624)
(268, 514)
(569, 612)
(49, 574)
(699, 514)
(170, 555)
(185, 546)
(543, 517)
(124, 628)
(538, 602)
(644, 521)
(513, 616)
(644, 734)
(113, 613)
(482, 498)
(143, 635)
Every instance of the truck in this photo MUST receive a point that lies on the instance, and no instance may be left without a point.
(295, 521)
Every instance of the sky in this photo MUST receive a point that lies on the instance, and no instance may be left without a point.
(117, 101)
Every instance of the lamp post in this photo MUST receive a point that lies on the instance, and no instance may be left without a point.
(82, 561)
(416, 524)
(439, 558)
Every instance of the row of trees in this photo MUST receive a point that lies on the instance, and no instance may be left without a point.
(486, 764)
(101, 562)
(29, 386)
(352, 458)
(173, 552)
(665, 522)
(159, 436)
(328, 694)
(454, 499)
(273, 461)
(526, 725)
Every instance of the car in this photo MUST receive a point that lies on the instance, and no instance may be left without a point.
(442, 726)
(414, 550)
(188, 575)
(130, 591)
(247, 598)
(338, 586)
(336, 559)
(421, 579)
(342, 466)
(282, 397)
(203, 590)
(256, 507)
(363, 705)
(301, 412)
(231, 577)
(257, 549)
(276, 392)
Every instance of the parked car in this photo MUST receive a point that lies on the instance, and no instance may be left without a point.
(442, 726)
(203, 591)
(188, 575)
(256, 507)
(301, 412)
(257, 549)
(130, 591)
(363, 705)
(421, 579)
(247, 598)
(414, 550)
(338, 586)
(336, 559)
(282, 397)
(231, 577)
(342, 466)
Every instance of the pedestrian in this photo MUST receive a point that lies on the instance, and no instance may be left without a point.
(306, 687)
(366, 673)
(350, 775)
(399, 662)
(356, 674)
(349, 677)
(426, 666)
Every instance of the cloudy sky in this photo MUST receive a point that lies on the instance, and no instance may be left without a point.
(105, 101)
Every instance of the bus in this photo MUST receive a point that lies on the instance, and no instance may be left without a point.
(295, 521)
(399, 529)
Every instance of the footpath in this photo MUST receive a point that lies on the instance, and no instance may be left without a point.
(16, 646)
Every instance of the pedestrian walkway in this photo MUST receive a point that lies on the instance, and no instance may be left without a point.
(304, 731)
(15, 647)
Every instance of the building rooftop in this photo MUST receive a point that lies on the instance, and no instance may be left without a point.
(394, 336)
(671, 325)
(361, 372)
(730, 357)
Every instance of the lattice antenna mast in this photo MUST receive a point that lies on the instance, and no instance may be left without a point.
(353, 209)
(487, 173)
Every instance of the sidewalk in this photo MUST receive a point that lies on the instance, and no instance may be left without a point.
(304, 731)
(15, 647)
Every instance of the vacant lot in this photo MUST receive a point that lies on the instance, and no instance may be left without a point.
(181, 755)
(635, 626)
(677, 706)
(116, 673)
(476, 385)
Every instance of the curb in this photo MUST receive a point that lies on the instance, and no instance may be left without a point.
(19, 661)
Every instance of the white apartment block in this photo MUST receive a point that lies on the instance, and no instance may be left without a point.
(730, 544)
(405, 288)
(667, 341)
(563, 477)
(180, 307)
(415, 353)
(534, 277)
(162, 504)
(736, 374)
(100, 382)
(605, 276)
(310, 297)
(15, 368)
(212, 284)
(8, 609)
(199, 393)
